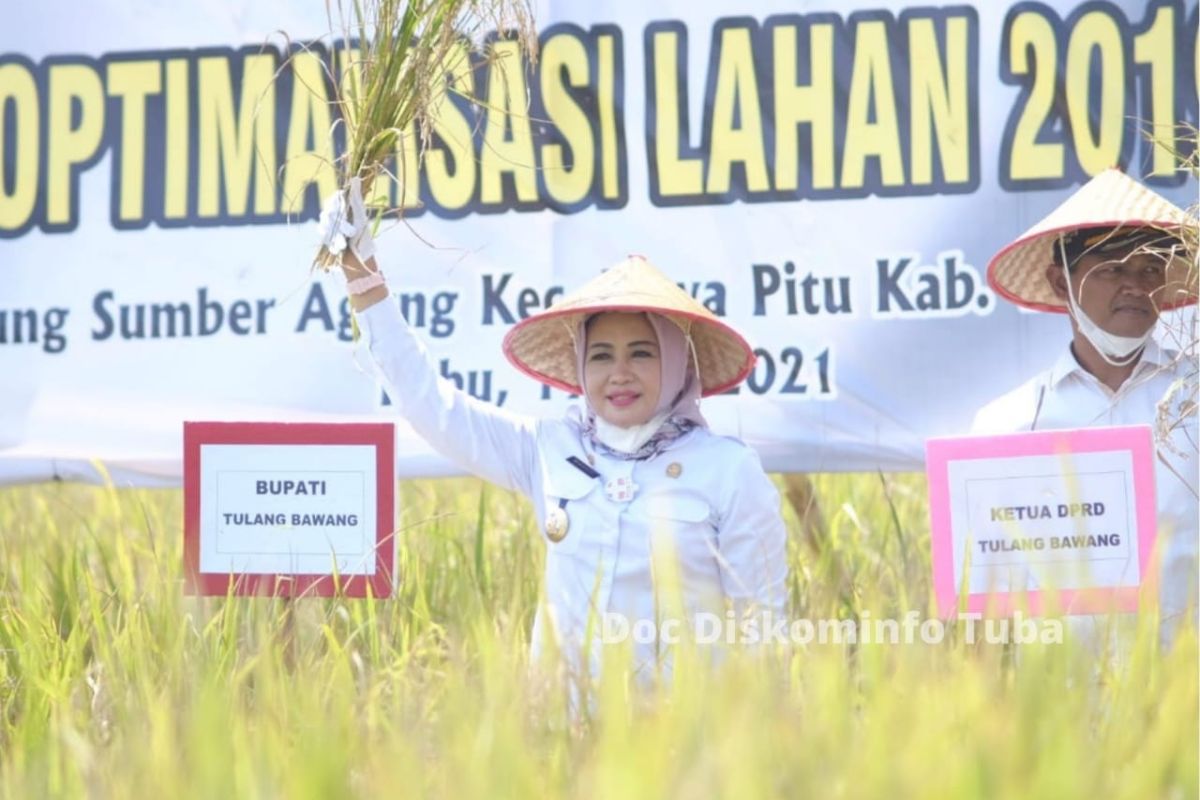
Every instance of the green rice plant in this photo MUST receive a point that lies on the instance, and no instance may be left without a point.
(114, 683)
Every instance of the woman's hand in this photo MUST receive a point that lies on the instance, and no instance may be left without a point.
(346, 235)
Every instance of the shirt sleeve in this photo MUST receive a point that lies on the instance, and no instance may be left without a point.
(494, 444)
(1010, 413)
(985, 421)
(752, 540)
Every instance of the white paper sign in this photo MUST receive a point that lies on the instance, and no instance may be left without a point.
(1030, 526)
(317, 513)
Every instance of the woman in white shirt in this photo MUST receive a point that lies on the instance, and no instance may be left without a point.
(650, 520)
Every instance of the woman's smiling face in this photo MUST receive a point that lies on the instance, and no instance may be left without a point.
(622, 368)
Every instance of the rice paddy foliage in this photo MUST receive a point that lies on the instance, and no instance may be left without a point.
(113, 683)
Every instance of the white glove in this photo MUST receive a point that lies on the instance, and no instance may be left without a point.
(343, 227)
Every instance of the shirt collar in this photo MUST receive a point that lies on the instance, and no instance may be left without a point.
(1152, 356)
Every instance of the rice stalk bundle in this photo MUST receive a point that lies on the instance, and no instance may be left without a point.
(397, 55)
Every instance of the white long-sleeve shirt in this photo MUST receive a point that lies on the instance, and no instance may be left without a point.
(1068, 396)
(703, 527)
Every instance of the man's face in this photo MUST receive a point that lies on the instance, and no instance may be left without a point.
(1119, 292)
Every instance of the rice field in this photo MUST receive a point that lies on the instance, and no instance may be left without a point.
(113, 683)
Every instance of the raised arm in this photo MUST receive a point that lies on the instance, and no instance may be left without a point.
(479, 437)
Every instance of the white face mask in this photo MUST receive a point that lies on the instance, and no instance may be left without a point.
(1119, 351)
(631, 439)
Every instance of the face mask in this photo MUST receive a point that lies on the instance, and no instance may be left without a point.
(1119, 351)
(628, 440)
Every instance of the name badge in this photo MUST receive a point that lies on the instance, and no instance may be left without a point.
(620, 490)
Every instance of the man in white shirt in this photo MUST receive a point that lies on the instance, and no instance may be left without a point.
(1110, 259)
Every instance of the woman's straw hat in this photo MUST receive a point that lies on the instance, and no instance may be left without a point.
(543, 346)
(1111, 199)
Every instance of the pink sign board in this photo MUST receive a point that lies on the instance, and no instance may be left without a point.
(289, 508)
(1049, 520)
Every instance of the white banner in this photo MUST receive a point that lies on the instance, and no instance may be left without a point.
(832, 178)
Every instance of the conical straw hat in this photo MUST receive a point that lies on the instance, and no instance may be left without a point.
(543, 345)
(1111, 199)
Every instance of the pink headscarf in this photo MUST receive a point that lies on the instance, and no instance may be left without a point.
(679, 388)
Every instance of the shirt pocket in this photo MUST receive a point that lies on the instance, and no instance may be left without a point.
(572, 493)
(683, 523)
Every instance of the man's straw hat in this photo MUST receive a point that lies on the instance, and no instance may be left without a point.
(1111, 199)
(543, 346)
